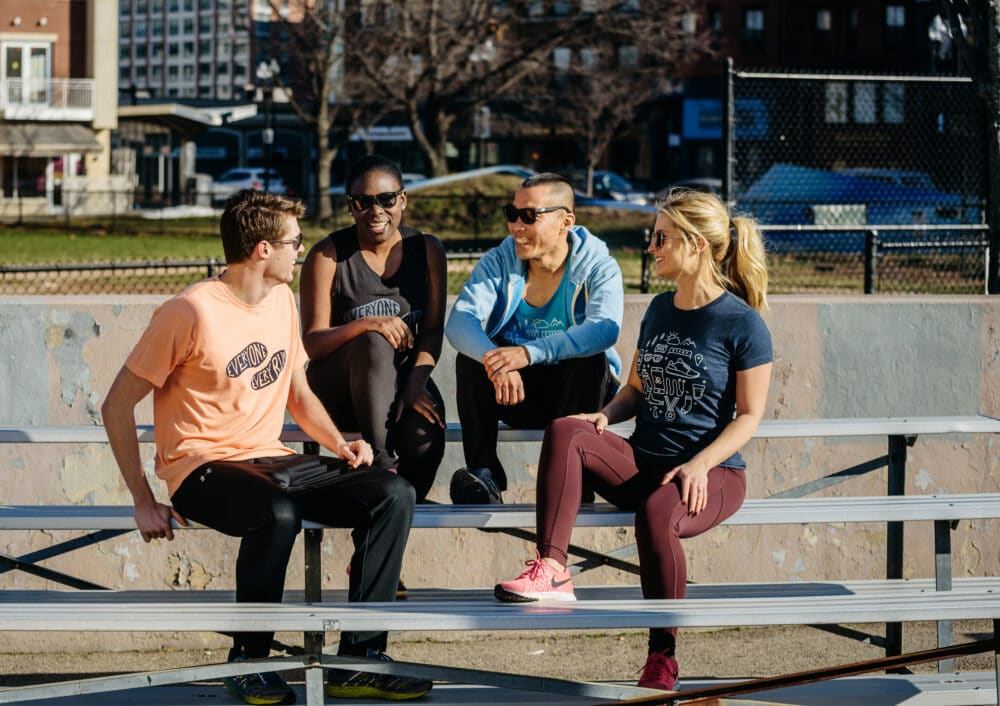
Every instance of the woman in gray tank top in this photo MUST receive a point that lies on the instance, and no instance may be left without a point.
(373, 301)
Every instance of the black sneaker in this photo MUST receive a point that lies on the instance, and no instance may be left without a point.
(347, 684)
(474, 487)
(261, 688)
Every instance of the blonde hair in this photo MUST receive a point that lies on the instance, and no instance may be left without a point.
(735, 244)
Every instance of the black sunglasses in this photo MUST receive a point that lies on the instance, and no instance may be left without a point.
(528, 215)
(362, 202)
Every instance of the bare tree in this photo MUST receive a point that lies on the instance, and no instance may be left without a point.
(604, 80)
(331, 100)
(438, 61)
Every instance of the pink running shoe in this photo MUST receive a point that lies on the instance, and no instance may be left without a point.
(660, 672)
(539, 582)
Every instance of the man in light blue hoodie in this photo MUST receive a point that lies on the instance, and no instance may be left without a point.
(534, 327)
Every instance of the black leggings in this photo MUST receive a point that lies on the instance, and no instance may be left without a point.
(358, 384)
(377, 504)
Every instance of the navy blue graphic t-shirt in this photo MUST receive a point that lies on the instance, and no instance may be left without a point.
(688, 361)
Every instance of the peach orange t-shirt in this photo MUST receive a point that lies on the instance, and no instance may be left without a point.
(222, 372)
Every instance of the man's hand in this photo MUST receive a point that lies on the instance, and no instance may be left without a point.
(393, 329)
(153, 521)
(509, 388)
(356, 453)
(505, 360)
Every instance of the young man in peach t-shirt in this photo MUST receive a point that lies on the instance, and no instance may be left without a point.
(224, 361)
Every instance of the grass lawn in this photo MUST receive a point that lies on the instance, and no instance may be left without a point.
(460, 216)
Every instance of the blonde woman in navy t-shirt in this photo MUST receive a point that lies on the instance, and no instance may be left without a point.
(697, 389)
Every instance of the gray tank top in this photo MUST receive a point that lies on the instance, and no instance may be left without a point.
(358, 292)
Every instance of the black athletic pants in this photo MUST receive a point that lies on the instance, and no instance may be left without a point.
(569, 386)
(358, 384)
(376, 503)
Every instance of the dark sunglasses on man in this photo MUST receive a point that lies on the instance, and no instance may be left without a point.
(362, 202)
(529, 215)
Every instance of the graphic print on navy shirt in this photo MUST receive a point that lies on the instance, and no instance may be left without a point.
(687, 363)
(672, 375)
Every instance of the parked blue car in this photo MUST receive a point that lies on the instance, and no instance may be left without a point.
(789, 194)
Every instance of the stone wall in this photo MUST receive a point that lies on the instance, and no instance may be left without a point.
(835, 357)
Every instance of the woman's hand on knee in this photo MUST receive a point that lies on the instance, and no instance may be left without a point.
(598, 419)
(693, 478)
(393, 329)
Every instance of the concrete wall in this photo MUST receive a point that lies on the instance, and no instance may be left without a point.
(844, 356)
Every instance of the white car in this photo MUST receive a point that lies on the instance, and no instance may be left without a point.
(233, 180)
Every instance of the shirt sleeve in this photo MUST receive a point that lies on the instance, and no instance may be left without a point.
(753, 345)
(165, 343)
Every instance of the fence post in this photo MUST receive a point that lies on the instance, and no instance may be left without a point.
(728, 129)
(211, 267)
(871, 260)
(644, 277)
(475, 216)
(991, 93)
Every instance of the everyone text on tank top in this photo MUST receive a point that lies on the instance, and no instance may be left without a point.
(359, 293)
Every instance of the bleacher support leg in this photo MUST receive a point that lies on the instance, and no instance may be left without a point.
(894, 537)
(942, 582)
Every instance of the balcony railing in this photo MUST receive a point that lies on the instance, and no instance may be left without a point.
(47, 99)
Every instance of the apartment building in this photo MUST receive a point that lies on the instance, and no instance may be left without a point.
(58, 106)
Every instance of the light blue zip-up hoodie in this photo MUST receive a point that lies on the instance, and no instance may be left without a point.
(495, 288)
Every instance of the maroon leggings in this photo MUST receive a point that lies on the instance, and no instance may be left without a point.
(573, 447)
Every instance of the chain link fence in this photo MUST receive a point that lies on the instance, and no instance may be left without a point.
(167, 277)
(863, 182)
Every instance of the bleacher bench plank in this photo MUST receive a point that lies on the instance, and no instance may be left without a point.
(869, 607)
(763, 589)
(768, 429)
(755, 511)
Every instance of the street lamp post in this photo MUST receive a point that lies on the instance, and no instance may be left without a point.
(267, 74)
(481, 58)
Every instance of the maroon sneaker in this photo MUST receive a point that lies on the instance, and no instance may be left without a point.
(660, 672)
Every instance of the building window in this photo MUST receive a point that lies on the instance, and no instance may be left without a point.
(753, 30)
(588, 58)
(893, 103)
(714, 27)
(865, 110)
(824, 20)
(895, 27)
(895, 16)
(835, 107)
(853, 27)
(628, 57)
(561, 58)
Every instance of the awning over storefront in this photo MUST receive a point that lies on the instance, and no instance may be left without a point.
(45, 140)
